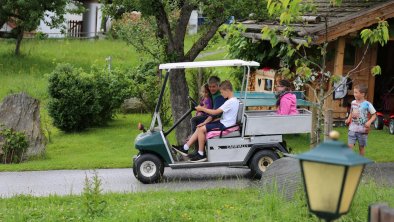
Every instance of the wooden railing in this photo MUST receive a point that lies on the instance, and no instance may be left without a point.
(74, 28)
(380, 212)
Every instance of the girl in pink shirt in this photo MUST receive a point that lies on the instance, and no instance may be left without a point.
(206, 99)
(286, 101)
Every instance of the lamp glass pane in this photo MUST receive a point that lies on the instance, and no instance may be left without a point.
(351, 183)
(323, 183)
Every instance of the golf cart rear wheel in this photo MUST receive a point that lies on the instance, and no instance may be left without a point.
(378, 123)
(391, 126)
(148, 168)
(260, 162)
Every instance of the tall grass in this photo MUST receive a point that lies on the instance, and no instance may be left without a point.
(252, 204)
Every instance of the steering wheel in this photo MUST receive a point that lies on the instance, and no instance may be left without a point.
(193, 103)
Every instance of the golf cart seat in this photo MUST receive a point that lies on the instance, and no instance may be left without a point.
(231, 131)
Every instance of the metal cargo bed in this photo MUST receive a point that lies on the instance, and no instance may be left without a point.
(267, 122)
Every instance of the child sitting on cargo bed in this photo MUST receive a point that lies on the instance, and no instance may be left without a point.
(286, 101)
(229, 117)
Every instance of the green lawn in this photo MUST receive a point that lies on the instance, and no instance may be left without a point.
(379, 147)
(252, 204)
(28, 72)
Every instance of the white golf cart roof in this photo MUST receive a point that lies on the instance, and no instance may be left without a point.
(202, 64)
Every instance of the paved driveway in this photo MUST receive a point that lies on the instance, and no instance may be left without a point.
(64, 182)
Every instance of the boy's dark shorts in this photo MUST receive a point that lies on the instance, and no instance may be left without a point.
(217, 125)
(360, 137)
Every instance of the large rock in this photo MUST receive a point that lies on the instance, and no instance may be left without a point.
(22, 113)
(132, 105)
(284, 175)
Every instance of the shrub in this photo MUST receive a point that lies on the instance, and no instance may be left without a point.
(146, 86)
(112, 88)
(14, 145)
(79, 100)
(41, 36)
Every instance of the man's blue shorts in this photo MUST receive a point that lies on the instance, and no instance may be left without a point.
(353, 137)
(217, 125)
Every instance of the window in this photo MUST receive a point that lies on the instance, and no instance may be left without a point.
(350, 54)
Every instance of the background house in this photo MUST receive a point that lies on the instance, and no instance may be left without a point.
(87, 24)
(343, 26)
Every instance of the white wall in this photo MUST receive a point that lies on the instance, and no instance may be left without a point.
(5, 28)
(91, 22)
(57, 32)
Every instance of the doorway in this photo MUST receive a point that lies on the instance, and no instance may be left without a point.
(384, 83)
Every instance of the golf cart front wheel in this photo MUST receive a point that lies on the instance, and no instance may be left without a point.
(391, 126)
(260, 162)
(378, 123)
(148, 168)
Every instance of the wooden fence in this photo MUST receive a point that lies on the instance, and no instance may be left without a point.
(74, 28)
(380, 212)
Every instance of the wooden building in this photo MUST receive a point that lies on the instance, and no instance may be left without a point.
(344, 24)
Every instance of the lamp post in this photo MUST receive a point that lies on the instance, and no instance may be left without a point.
(331, 173)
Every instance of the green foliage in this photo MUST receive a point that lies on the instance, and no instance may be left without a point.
(93, 200)
(27, 14)
(14, 145)
(197, 78)
(79, 100)
(41, 36)
(139, 32)
(146, 86)
(378, 35)
(240, 47)
(145, 33)
(376, 70)
(116, 8)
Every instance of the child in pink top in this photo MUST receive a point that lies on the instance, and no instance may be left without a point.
(286, 101)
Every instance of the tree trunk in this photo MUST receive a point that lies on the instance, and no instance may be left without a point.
(180, 103)
(19, 38)
(327, 123)
(312, 143)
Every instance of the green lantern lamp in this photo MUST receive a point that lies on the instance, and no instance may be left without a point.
(331, 173)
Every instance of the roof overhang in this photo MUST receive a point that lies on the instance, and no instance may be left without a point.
(338, 25)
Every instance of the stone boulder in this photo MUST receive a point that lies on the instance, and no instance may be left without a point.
(284, 175)
(22, 113)
(132, 105)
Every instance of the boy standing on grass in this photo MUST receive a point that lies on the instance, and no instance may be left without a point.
(358, 119)
(229, 110)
